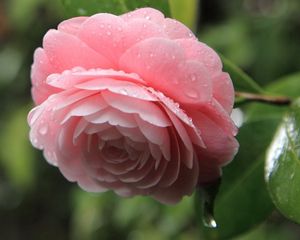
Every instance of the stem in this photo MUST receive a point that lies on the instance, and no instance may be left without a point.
(275, 100)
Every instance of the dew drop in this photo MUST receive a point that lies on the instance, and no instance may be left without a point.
(191, 93)
(34, 141)
(148, 17)
(151, 55)
(108, 33)
(124, 91)
(43, 130)
(193, 78)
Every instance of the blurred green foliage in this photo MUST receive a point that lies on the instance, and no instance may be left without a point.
(36, 202)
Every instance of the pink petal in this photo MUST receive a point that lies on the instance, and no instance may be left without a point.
(223, 91)
(113, 117)
(120, 87)
(86, 106)
(90, 185)
(140, 29)
(156, 135)
(71, 25)
(220, 144)
(153, 177)
(66, 98)
(195, 50)
(184, 185)
(176, 30)
(69, 155)
(188, 159)
(148, 111)
(174, 107)
(133, 133)
(149, 14)
(40, 69)
(95, 128)
(161, 64)
(109, 134)
(138, 174)
(76, 54)
(172, 171)
(218, 115)
(104, 33)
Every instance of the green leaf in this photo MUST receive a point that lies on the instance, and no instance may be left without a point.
(241, 81)
(86, 8)
(243, 200)
(283, 165)
(185, 12)
(287, 85)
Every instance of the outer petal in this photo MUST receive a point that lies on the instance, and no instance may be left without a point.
(176, 30)
(195, 50)
(104, 33)
(76, 54)
(160, 62)
(71, 25)
(223, 91)
(149, 14)
(220, 146)
(40, 69)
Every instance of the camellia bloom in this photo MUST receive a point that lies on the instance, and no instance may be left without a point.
(132, 103)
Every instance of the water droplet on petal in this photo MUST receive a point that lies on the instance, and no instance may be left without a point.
(191, 93)
(108, 33)
(43, 130)
(148, 17)
(193, 78)
(124, 92)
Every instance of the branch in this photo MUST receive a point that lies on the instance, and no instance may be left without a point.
(275, 100)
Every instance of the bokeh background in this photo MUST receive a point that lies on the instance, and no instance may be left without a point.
(36, 202)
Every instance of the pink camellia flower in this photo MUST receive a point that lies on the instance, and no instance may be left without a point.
(132, 103)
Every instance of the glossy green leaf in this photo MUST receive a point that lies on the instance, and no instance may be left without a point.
(86, 8)
(283, 165)
(241, 81)
(243, 200)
